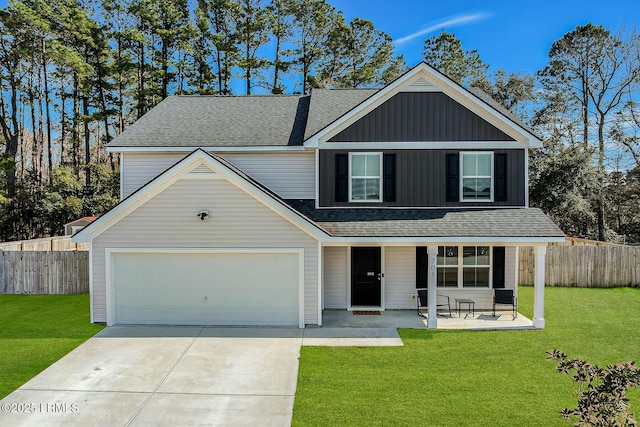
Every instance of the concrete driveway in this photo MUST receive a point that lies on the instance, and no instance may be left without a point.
(173, 376)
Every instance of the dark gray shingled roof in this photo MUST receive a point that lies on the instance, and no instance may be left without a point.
(328, 105)
(236, 121)
(228, 121)
(516, 222)
(201, 121)
(344, 222)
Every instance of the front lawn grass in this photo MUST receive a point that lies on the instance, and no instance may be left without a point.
(37, 330)
(472, 378)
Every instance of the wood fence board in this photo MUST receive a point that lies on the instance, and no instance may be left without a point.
(58, 243)
(44, 272)
(584, 266)
(66, 272)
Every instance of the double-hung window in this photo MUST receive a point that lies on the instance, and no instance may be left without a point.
(477, 176)
(447, 266)
(464, 266)
(476, 265)
(365, 176)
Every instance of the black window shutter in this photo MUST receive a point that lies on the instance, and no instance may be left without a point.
(389, 172)
(421, 267)
(453, 184)
(500, 178)
(342, 178)
(498, 267)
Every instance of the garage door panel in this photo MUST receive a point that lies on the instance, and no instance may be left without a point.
(206, 288)
(214, 317)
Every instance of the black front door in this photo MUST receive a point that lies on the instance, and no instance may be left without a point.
(366, 281)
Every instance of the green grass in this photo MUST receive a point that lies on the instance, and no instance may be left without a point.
(37, 330)
(472, 378)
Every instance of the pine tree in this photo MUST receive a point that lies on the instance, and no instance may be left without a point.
(313, 22)
(359, 54)
(250, 20)
(444, 52)
(280, 26)
(594, 69)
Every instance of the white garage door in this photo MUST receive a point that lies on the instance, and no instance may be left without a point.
(205, 288)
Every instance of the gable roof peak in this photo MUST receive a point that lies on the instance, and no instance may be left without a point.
(507, 123)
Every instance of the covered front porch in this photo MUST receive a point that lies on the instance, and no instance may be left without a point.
(481, 320)
(386, 278)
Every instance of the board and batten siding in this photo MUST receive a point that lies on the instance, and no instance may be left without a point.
(421, 116)
(291, 175)
(335, 277)
(421, 179)
(236, 220)
(399, 277)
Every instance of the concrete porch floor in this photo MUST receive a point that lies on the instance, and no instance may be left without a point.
(482, 320)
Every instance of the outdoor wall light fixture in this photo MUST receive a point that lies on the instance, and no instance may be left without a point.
(203, 215)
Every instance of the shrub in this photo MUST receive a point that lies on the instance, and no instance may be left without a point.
(602, 393)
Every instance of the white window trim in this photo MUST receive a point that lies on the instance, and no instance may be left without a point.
(460, 267)
(456, 266)
(462, 176)
(361, 153)
(76, 228)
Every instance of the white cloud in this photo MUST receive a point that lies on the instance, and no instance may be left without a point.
(454, 21)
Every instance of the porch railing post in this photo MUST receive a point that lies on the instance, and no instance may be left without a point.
(538, 287)
(432, 320)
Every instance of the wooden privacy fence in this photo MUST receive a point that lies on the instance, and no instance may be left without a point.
(584, 266)
(67, 271)
(59, 243)
(44, 272)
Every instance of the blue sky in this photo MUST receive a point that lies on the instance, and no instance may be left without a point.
(509, 34)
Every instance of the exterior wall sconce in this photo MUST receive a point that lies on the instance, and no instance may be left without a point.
(203, 215)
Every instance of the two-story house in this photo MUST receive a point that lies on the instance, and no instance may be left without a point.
(267, 210)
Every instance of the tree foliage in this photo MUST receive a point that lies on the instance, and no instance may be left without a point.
(601, 392)
(596, 71)
(75, 73)
(444, 52)
(514, 91)
(357, 55)
(563, 180)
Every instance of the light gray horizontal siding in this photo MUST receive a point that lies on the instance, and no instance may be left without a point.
(482, 297)
(290, 175)
(399, 277)
(236, 220)
(335, 277)
(137, 169)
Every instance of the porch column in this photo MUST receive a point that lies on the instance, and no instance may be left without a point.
(538, 287)
(432, 320)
